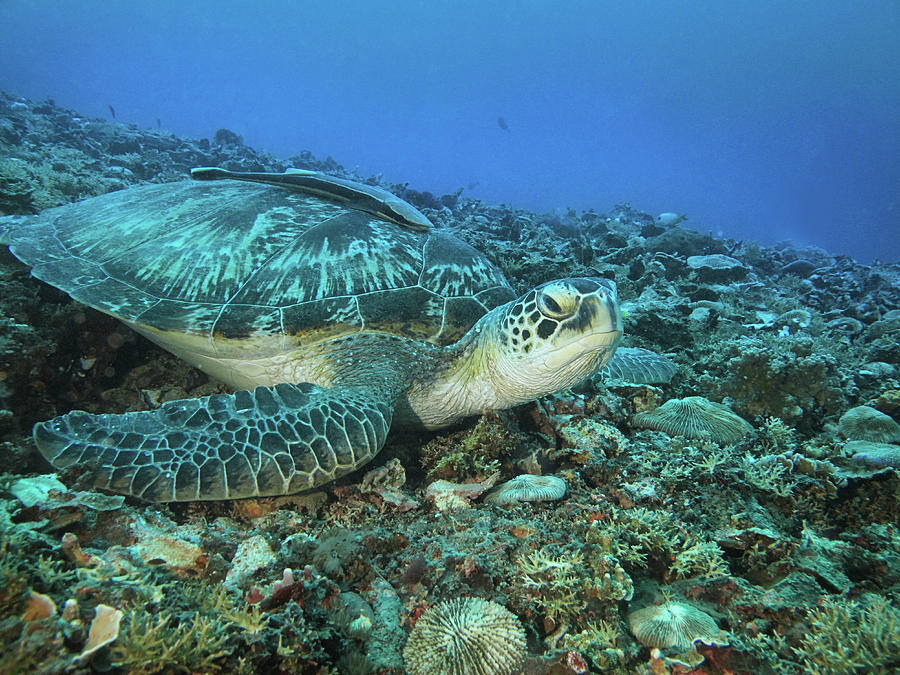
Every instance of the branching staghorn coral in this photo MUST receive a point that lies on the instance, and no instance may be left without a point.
(849, 636)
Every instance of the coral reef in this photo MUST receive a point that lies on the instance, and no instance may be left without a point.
(528, 488)
(786, 536)
(463, 636)
(863, 423)
(674, 624)
(695, 417)
(850, 636)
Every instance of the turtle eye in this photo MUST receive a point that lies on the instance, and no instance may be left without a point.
(557, 304)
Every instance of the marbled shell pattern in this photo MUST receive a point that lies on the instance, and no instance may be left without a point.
(233, 261)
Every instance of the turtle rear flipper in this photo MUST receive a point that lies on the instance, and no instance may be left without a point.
(271, 441)
(8, 224)
(638, 366)
(369, 198)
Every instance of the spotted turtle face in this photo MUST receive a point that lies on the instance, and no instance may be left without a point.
(564, 324)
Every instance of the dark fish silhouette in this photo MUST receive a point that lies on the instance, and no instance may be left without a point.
(112, 111)
(502, 123)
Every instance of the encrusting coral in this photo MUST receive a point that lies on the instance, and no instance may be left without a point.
(878, 455)
(465, 636)
(773, 375)
(694, 417)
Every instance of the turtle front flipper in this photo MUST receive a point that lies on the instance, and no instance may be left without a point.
(271, 441)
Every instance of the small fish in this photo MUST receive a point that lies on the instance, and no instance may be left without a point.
(502, 123)
(472, 185)
(670, 219)
(112, 111)
(158, 123)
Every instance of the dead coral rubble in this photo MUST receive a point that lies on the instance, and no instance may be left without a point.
(786, 537)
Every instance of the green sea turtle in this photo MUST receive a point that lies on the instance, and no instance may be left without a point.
(333, 308)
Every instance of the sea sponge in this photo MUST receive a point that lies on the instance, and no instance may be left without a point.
(38, 606)
(863, 423)
(693, 417)
(465, 636)
(674, 624)
(528, 488)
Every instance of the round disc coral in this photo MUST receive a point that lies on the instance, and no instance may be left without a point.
(863, 423)
(674, 624)
(694, 417)
(528, 488)
(465, 636)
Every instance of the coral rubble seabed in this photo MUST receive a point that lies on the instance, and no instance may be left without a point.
(786, 536)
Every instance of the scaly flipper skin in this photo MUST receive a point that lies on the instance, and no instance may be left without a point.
(369, 198)
(272, 441)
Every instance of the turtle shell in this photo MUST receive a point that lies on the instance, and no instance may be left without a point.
(239, 263)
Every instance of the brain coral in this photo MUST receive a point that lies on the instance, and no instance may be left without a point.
(863, 423)
(674, 624)
(693, 417)
(465, 636)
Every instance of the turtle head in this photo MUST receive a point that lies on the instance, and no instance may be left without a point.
(556, 335)
(553, 337)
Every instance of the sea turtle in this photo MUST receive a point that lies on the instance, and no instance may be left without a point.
(333, 308)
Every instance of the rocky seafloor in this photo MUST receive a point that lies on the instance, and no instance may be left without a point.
(689, 539)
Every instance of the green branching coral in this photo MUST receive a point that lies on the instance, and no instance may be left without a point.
(560, 585)
(702, 558)
(783, 474)
(631, 535)
(769, 475)
(151, 644)
(635, 536)
(610, 581)
(598, 642)
(13, 582)
(852, 636)
(776, 436)
(219, 603)
(554, 582)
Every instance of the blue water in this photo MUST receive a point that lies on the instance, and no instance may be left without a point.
(759, 119)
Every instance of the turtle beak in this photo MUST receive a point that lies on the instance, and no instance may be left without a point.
(594, 331)
(600, 313)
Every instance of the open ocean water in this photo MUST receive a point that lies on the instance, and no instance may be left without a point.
(759, 119)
